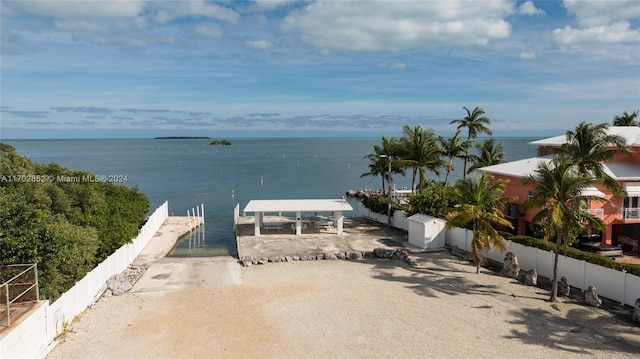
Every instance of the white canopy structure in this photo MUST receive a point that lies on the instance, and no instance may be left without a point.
(260, 207)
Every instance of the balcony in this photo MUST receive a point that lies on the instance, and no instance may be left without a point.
(630, 214)
(595, 212)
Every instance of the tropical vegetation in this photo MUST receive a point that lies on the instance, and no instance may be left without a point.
(65, 221)
(627, 119)
(476, 123)
(558, 189)
(477, 203)
(480, 206)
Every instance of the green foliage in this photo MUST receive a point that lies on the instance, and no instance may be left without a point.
(379, 204)
(432, 200)
(577, 254)
(67, 227)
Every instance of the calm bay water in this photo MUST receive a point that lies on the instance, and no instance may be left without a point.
(190, 172)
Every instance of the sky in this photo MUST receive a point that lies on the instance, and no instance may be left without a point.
(279, 68)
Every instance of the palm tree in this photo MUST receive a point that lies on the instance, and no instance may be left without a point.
(627, 119)
(481, 205)
(475, 123)
(558, 186)
(421, 151)
(589, 147)
(488, 154)
(453, 147)
(379, 160)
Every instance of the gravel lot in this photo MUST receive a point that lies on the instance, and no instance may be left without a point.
(340, 309)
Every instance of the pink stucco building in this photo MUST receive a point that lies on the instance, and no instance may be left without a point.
(621, 217)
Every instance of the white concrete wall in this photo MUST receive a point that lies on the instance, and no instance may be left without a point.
(610, 283)
(30, 337)
(398, 219)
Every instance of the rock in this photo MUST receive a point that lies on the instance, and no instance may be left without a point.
(529, 277)
(118, 284)
(591, 297)
(351, 193)
(320, 256)
(341, 255)
(330, 256)
(354, 255)
(563, 287)
(296, 258)
(511, 268)
(262, 261)
(635, 315)
(383, 252)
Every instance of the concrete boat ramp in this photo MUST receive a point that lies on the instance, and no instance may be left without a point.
(175, 273)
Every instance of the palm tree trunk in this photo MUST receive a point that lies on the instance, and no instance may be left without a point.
(554, 283)
(464, 174)
(413, 181)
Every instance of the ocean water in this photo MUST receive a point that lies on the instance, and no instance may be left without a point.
(188, 173)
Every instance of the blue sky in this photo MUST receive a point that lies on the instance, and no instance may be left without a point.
(330, 68)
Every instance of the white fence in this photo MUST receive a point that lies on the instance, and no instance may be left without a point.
(398, 219)
(31, 337)
(612, 284)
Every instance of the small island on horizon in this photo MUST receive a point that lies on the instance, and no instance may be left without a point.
(220, 142)
(183, 138)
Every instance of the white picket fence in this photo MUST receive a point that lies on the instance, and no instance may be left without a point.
(610, 283)
(31, 337)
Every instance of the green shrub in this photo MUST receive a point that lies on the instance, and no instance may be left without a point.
(67, 228)
(379, 204)
(431, 200)
(577, 254)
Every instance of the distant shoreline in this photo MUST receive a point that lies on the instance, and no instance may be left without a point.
(183, 138)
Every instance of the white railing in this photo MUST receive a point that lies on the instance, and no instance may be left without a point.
(612, 284)
(31, 337)
(630, 213)
(596, 212)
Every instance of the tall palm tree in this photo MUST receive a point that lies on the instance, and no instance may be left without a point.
(481, 204)
(475, 122)
(453, 147)
(421, 151)
(379, 160)
(589, 147)
(489, 153)
(558, 188)
(627, 119)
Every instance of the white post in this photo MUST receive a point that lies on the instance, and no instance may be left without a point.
(189, 219)
(202, 205)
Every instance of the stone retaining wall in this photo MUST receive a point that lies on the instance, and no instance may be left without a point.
(377, 253)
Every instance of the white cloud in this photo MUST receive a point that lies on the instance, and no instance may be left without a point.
(389, 25)
(75, 9)
(614, 33)
(271, 4)
(394, 66)
(168, 10)
(600, 22)
(527, 55)
(209, 30)
(593, 13)
(259, 44)
(528, 8)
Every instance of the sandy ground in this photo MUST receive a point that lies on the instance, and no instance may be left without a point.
(342, 309)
